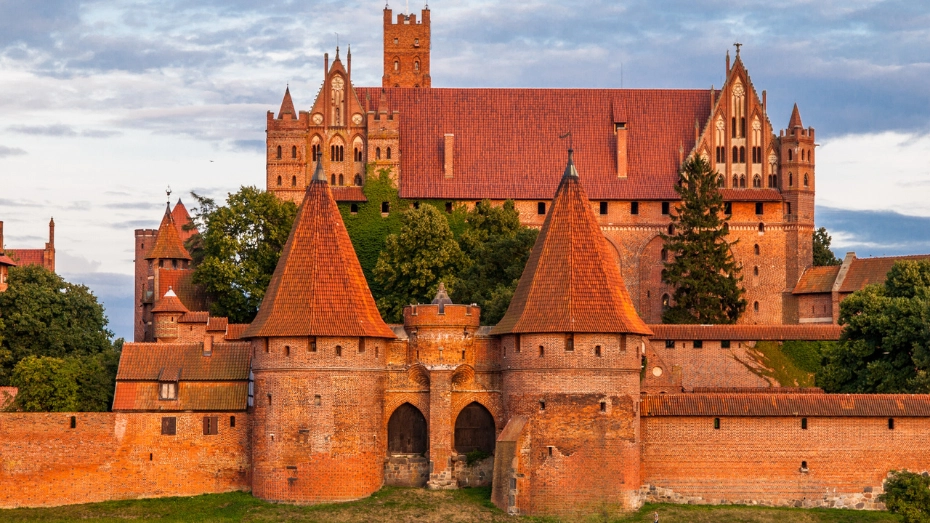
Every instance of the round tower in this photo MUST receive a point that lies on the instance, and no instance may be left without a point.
(166, 315)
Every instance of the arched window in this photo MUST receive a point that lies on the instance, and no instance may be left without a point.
(357, 180)
(735, 181)
(341, 180)
(316, 151)
(742, 181)
(742, 126)
(388, 153)
(671, 229)
(339, 350)
(735, 154)
(806, 181)
(407, 431)
(332, 180)
(756, 249)
(397, 65)
(733, 126)
(757, 181)
(755, 271)
(761, 227)
(293, 151)
(663, 255)
(293, 181)
(542, 351)
(377, 153)
(474, 430)
(279, 152)
(666, 300)
(742, 155)
(416, 65)
(279, 180)
(790, 180)
(790, 155)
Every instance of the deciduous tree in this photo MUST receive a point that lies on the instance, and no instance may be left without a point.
(701, 267)
(822, 253)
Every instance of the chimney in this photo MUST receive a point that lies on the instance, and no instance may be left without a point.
(1, 237)
(51, 232)
(620, 129)
(448, 154)
(208, 345)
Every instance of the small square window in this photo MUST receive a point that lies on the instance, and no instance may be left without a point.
(760, 208)
(698, 344)
(169, 426)
(603, 207)
(541, 208)
(353, 208)
(665, 208)
(669, 344)
(168, 391)
(634, 207)
(725, 344)
(385, 207)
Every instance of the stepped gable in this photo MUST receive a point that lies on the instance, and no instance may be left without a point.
(571, 282)
(170, 303)
(181, 219)
(318, 288)
(168, 246)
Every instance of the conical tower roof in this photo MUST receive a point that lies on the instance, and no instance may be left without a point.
(795, 118)
(170, 303)
(168, 245)
(287, 105)
(318, 288)
(571, 282)
(181, 218)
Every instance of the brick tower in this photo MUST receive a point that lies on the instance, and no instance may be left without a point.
(570, 356)
(166, 252)
(319, 348)
(797, 165)
(406, 50)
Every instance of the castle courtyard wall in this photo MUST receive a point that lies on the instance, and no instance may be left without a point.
(110, 456)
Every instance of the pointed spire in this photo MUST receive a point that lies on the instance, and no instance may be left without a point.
(318, 287)
(318, 174)
(795, 118)
(168, 244)
(182, 219)
(287, 105)
(570, 170)
(571, 282)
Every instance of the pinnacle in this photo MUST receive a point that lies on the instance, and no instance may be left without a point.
(795, 118)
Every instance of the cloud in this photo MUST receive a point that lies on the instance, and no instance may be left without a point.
(875, 233)
(248, 145)
(7, 202)
(61, 130)
(68, 263)
(10, 151)
(134, 205)
(133, 224)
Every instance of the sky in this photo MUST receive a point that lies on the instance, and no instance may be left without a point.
(104, 104)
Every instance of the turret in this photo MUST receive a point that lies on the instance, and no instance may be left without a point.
(406, 50)
(167, 313)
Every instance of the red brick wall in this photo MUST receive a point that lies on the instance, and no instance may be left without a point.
(111, 456)
(758, 460)
(815, 308)
(412, 45)
(144, 241)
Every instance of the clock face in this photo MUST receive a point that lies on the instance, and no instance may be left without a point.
(357, 119)
(318, 118)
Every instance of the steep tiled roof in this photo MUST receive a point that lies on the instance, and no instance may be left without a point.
(170, 303)
(746, 332)
(24, 257)
(795, 120)
(751, 195)
(217, 324)
(518, 131)
(287, 105)
(571, 282)
(817, 280)
(168, 244)
(318, 288)
(865, 271)
(793, 405)
(4, 260)
(195, 317)
(234, 331)
(147, 361)
(196, 396)
(181, 219)
(181, 281)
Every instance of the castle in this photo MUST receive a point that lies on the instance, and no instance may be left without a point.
(22, 257)
(575, 402)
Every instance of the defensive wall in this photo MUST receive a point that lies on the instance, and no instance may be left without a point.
(49, 459)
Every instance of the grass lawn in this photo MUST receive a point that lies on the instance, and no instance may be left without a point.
(397, 505)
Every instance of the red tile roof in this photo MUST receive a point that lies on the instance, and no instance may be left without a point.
(24, 257)
(817, 280)
(795, 120)
(217, 324)
(192, 396)
(147, 361)
(865, 271)
(170, 303)
(516, 131)
(195, 317)
(751, 195)
(181, 219)
(348, 193)
(571, 282)
(318, 288)
(4, 260)
(788, 405)
(746, 332)
(234, 331)
(181, 281)
(168, 244)
(763, 390)
(287, 105)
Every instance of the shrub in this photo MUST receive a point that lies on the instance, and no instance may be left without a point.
(908, 494)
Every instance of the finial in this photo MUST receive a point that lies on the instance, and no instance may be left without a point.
(168, 192)
(318, 175)
(570, 171)
(737, 45)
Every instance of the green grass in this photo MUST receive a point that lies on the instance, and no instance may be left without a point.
(780, 366)
(397, 505)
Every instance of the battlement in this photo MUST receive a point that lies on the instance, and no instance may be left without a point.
(442, 315)
(405, 19)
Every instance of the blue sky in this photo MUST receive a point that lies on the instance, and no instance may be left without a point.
(106, 103)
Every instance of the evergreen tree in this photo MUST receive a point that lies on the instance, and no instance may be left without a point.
(415, 260)
(701, 267)
(822, 253)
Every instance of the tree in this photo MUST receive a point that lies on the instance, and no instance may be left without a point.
(498, 247)
(908, 494)
(885, 345)
(238, 250)
(415, 260)
(701, 267)
(822, 253)
(43, 315)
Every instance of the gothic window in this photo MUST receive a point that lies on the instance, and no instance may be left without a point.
(735, 181)
(474, 430)
(663, 255)
(761, 227)
(671, 229)
(294, 151)
(756, 249)
(279, 152)
(339, 351)
(293, 181)
(358, 154)
(788, 208)
(315, 148)
(396, 65)
(407, 431)
(806, 181)
(279, 180)
(742, 181)
(757, 181)
(332, 180)
(388, 153)
(721, 154)
(665, 302)
(377, 153)
(735, 154)
(742, 155)
(337, 98)
(341, 180)
(733, 127)
(357, 180)
(790, 180)
(416, 65)
(790, 154)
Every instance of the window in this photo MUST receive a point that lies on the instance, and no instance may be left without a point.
(698, 344)
(665, 207)
(761, 227)
(735, 181)
(395, 40)
(312, 344)
(759, 208)
(353, 208)
(317, 400)
(377, 153)
(716, 423)
(339, 351)
(315, 150)
(337, 153)
(396, 62)
(733, 127)
(755, 306)
(806, 181)
(542, 405)
(294, 151)
(671, 229)
(357, 154)
(603, 207)
(790, 180)
(449, 207)
(232, 421)
(788, 208)
(168, 391)
(755, 271)
(73, 422)
(664, 255)
(665, 302)
(603, 406)
(804, 423)
(790, 155)
(357, 180)
(724, 344)
(279, 152)
(341, 180)
(542, 351)
(728, 208)
(890, 423)
(287, 351)
(361, 345)
(416, 43)
(735, 154)
(210, 427)
(569, 343)
(721, 154)
(169, 426)
(757, 181)
(669, 344)
(742, 155)
(388, 154)
(756, 249)
(597, 351)
(541, 208)
(333, 179)
(634, 207)
(279, 180)
(293, 181)
(416, 65)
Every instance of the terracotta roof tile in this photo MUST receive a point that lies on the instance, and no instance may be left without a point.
(146, 361)
(181, 219)
(865, 271)
(793, 405)
(795, 120)
(192, 396)
(217, 324)
(168, 244)
(4, 260)
(746, 332)
(195, 317)
(287, 105)
(817, 280)
(571, 282)
(348, 193)
(182, 282)
(751, 195)
(234, 331)
(24, 257)
(170, 303)
(318, 288)
(519, 129)
(762, 390)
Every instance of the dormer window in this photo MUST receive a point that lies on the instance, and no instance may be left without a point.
(168, 390)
